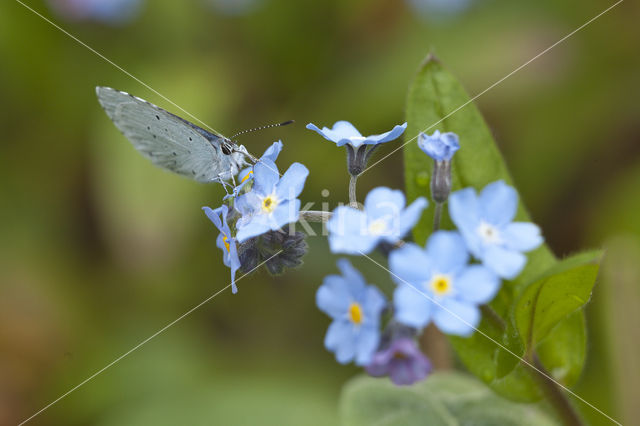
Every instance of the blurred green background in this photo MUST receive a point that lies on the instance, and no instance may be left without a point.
(99, 249)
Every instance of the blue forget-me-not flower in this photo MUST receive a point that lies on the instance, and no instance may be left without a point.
(384, 219)
(439, 146)
(344, 133)
(225, 241)
(437, 284)
(359, 148)
(272, 201)
(246, 175)
(355, 308)
(486, 223)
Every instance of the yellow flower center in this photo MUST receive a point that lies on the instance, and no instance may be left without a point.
(355, 313)
(226, 244)
(247, 176)
(378, 227)
(441, 285)
(269, 203)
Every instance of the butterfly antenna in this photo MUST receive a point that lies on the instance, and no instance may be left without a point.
(261, 128)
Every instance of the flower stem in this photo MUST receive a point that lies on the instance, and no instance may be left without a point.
(353, 202)
(437, 216)
(493, 316)
(437, 348)
(556, 396)
(315, 215)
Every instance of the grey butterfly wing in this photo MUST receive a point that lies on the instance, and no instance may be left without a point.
(169, 141)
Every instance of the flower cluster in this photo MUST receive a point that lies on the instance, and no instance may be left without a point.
(443, 283)
(262, 204)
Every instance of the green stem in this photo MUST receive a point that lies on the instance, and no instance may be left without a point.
(556, 395)
(437, 216)
(353, 202)
(315, 215)
(490, 314)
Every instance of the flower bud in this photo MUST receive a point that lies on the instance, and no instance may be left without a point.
(279, 250)
(440, 147)
(441, 181)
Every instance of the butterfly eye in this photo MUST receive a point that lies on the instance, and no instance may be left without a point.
(226, 148)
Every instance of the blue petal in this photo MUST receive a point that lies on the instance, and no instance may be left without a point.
(213, 217)
(373, 304)
(341, 340)
(410, 216)
(506, 263)
(498, 203)
(386, 137)
(383, 202)
(292, 182)
(234, 262)
(353, 244)
(521, 236)
(347, 220)
(247, 204)
(456, 317)
(286, 212)
(265, 177)
(356, 285)
(243, 174)
(257, 225)
(273, 151)
(315, 128)
(412, 307)
(368, 341)
(342, 132)
(333, 297)
(221, 246)
(448, 251)
(347, 232)
(410, 265)
(440, 147)
(465, 214)
(476, 284)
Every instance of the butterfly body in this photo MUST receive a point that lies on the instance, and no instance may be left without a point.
(171, 142)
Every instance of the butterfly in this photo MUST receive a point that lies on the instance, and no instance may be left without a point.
(172, 142)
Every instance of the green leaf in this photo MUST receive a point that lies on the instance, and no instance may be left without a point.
(561, 291)
(445, 398)
(437, 101)
(563, 351)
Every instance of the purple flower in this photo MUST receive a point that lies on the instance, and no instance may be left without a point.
(384, 219)
(225, 241)
(402, 361)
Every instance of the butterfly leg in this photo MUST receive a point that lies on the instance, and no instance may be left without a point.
(223, 182)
